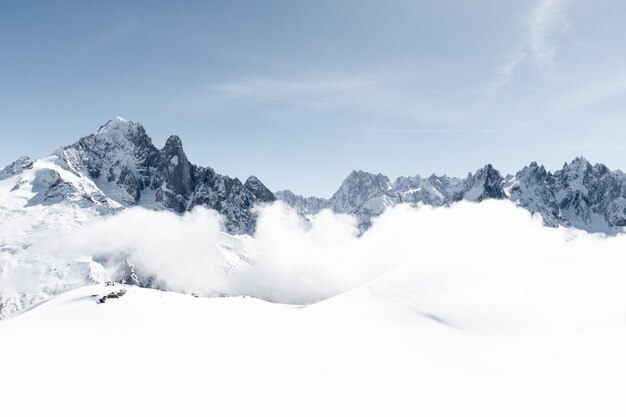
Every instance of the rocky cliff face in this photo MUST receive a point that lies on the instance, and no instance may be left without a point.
(118, 166)
(588, 197)
(484, 184)
(16, 167)
(585, 196)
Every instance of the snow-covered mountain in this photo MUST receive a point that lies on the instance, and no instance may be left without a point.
(582, 195)
(118, 166)
(101, 174)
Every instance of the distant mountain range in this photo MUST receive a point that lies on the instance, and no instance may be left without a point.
(118, 166)
(581, 195)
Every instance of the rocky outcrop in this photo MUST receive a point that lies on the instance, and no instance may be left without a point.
(121, 160)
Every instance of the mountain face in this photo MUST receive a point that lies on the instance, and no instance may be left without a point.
(103, 173)
(581, 195)
(118, 166)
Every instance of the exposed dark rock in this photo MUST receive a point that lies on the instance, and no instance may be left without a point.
(137, 173)
(589, 197)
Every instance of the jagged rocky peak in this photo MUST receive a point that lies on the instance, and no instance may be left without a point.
(119, 131)
(586, 196)
(407, 184)
(173, 144)
(173, 154)
(358, 188)
(258, 189)
(432, 190)
(531, 188)
(484, 184)
(579, 171)
(118, 166)
(532, 173)
(305, 206)
(573, 174)
(450, 188)
(577, 162)
(404, 184)
(442, 180)
(359, 181)
(16, 167)
(115, 123)
(173, 180)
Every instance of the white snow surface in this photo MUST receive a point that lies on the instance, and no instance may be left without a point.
(435, 344)
(468, 310)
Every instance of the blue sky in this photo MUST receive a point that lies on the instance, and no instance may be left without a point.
(299, 93)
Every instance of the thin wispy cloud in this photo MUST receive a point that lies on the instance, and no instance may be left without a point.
(505, 74)
(391, 94)
(546, 18)
(543, 21)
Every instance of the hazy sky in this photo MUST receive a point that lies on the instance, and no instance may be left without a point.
(299, 93)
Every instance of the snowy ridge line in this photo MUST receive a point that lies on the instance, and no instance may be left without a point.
(119, 167)
(581, 195)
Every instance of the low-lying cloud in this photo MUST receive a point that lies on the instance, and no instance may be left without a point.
(292, 260)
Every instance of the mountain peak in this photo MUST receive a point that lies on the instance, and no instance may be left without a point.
(115, 123)
(121, 133)
(18, 166)
(360, 175)
(486, 183)
(260, 191)
(173, 142)
(577, 162)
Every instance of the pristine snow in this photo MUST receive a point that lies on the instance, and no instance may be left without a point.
(437, 344)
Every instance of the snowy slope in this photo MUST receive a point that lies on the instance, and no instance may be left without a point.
(102, 174)
(438, 344)
(41, 201)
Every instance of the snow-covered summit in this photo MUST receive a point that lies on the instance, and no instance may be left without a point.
(16, 167)
(119, 166)
(362, 189)
(484, 184)
(588, 197)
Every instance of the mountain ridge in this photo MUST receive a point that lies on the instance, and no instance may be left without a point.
(119, 166)
(581, 195)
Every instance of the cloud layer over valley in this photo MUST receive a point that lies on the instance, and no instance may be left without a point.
(293, 260)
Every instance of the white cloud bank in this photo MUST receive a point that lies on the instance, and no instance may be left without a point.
(292, 261)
